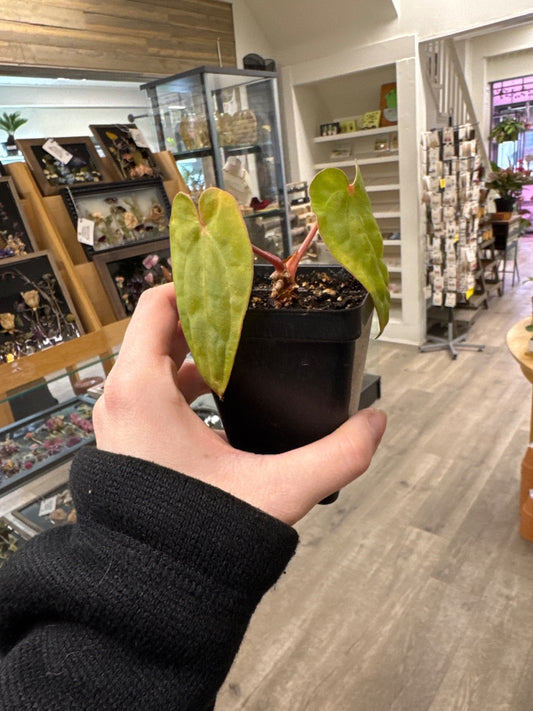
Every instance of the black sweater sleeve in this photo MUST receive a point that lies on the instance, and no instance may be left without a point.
(143, 603)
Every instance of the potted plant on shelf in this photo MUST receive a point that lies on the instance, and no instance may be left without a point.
(508, 183)
(508, 129)
(276, 342)
(10, 123)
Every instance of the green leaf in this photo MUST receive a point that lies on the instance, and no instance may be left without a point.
(212, 267)
(348, 227)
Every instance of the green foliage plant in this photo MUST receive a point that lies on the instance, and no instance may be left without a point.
(11, 122)
(212, 263)
(509, 182)
(508, 129)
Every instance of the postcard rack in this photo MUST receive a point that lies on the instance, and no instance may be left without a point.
(452, 193)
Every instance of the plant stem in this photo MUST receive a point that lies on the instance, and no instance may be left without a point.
(294, 260)
(291, 263)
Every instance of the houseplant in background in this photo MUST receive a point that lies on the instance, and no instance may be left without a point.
(508, 129)
(508, 183)
(10, 123)
(277, 348)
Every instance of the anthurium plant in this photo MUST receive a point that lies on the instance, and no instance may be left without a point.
(213, 264)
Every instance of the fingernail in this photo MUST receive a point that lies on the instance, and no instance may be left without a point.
(377, 421)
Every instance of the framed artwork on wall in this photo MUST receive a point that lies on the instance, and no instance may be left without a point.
(36, 311)
(130, 156)
(59, 162)
(118, 214)
(129, 271)
(16, 236)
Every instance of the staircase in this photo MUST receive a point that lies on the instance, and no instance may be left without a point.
(447, 87)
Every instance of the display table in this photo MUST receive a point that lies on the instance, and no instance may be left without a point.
(518, 344)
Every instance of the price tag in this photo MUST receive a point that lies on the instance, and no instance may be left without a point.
(138, 138)
(85, 231)
(47, 506)
(52, 147)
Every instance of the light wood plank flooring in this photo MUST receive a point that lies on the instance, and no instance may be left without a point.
(414, 592)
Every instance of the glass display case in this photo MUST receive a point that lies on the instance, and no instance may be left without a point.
(223, 127)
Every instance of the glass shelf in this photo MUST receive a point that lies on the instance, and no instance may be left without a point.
(223, 128)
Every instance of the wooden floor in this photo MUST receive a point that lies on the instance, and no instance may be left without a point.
(414, 592)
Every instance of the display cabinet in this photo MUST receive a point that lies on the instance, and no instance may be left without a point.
(223, 127)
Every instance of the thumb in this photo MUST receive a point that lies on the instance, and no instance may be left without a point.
(315, 471)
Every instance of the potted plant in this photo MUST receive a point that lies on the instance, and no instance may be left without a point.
(508, 129)
(277, 347)
(508, 183)
(10, 123)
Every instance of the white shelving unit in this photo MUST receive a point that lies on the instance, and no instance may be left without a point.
(345, 87)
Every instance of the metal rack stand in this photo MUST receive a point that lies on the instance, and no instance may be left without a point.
(451, 342)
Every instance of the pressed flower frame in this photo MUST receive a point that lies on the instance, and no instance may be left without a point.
(128, 159)
(16, 236)
(52, 175)
(36, 311)
(123, 213)
(127, 272)
(40, 442)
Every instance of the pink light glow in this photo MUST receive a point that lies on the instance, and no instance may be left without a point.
(512, 91)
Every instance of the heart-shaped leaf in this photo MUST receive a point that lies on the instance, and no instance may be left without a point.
(212, 267)
(347, 225)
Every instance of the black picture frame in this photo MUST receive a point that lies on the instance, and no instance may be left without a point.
(16, 235)
(36, 311)
(85, 166)
(123, 214)
(127, 272)
(127, 159)
(41, 442)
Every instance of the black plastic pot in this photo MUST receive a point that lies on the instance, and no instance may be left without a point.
(293, 378)
(505, 204)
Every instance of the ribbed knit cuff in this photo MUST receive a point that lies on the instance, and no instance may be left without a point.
(199, 525)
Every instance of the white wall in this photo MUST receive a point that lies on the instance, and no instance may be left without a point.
(494, 56)
(293, 32)
(249, 35)
(61, 108)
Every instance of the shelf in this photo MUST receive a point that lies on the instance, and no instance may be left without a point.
(274, 212)
(386, 214)
(395, 297)
(382, 187)
(392, 242)
(363, 133)
(394, 270)
(363, 159)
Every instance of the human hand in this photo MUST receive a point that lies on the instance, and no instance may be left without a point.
(144, 413)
